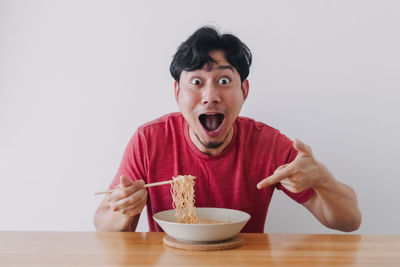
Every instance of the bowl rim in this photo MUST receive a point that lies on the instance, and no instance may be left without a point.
(200, 224)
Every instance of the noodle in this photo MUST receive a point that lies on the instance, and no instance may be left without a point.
(182, 191)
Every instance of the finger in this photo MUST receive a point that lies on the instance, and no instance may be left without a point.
(303, 149)
(281, 167)
(292, 188)
(289, 187)
(134, 209)
(292, 185)
(137, 211)
(135, 199)
(124, 192)
(286, 183)
(125, 181)
(277, 176)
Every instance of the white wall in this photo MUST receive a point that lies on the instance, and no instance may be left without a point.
(78, 77)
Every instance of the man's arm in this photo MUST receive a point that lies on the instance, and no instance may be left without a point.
(120, 210)
(334, 204)
(107, 220)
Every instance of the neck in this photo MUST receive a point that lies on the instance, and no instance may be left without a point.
(210, 151)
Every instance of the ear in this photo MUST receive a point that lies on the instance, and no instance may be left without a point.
(176, 89)
(245, 88)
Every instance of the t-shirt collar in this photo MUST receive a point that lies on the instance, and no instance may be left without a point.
(202, 155)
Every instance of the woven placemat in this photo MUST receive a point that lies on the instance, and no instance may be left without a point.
(234, 242)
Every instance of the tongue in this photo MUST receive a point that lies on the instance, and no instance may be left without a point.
(211, 122)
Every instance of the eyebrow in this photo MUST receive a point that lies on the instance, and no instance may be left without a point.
(218, 67)
(224, 67)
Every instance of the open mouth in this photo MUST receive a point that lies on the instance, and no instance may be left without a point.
(211, 122)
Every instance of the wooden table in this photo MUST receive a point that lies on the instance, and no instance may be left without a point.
(146, 249)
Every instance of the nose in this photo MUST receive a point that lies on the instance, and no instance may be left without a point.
(211, 94)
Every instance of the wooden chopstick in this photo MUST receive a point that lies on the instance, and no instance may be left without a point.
(146, 185)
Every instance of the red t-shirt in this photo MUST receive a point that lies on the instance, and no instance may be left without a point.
(162, 149)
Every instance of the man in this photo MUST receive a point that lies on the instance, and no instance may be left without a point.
(231, 156)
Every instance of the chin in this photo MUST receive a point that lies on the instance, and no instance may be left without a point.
(212, 142)
(213, 145)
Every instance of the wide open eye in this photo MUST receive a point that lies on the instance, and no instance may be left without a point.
(224, 80)
(195, 81)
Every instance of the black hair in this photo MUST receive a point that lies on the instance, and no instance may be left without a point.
(193, 54)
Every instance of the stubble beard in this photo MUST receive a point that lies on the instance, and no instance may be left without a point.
(212, 145)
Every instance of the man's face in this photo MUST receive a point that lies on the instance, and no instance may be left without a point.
(210, 101)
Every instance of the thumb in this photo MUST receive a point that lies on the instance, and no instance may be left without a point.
(125, 181)
(303, 149)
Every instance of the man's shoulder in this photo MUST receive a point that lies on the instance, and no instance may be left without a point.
(172, 119)
(263, 138)
(248, 124)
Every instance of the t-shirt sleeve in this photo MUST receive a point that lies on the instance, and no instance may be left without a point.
(286, 154)
(134, 160)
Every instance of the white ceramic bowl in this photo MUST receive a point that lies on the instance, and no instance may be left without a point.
(203, 232)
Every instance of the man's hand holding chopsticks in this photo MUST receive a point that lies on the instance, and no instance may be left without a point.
(129, 197)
